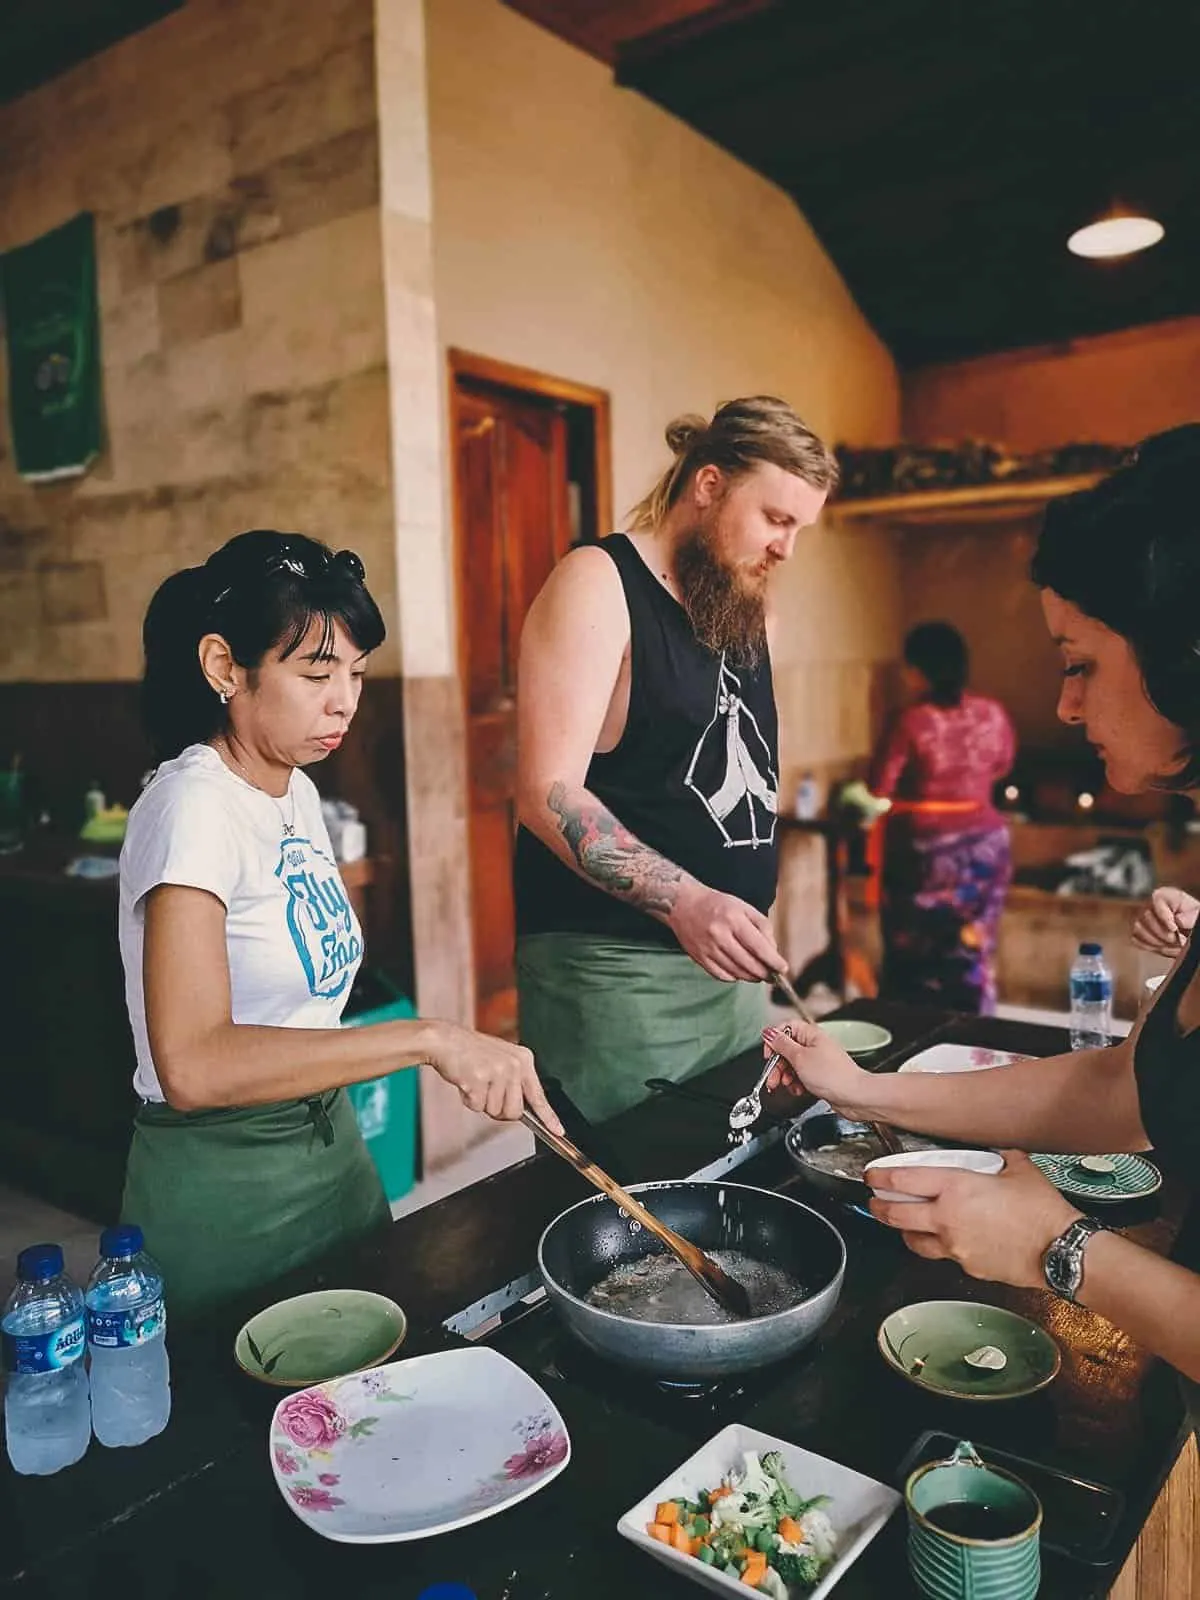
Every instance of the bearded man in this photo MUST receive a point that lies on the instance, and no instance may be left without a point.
(648, 764)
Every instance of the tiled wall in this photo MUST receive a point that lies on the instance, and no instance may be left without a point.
(229, 154)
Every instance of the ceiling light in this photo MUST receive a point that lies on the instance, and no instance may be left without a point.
(1115, 236)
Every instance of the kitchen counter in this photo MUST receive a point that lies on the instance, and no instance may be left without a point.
(196, 1512)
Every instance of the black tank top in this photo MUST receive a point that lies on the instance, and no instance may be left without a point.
(694, 776)
(1167, 1067)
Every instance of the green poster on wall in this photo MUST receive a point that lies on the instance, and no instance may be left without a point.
(52, 333)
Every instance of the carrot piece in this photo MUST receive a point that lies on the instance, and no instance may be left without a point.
(718, 1493)
(667, 1512)
(754, 1573)
(659, 1531)
(680, 1540)
(790, 1530)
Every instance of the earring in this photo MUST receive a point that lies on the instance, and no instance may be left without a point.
(224, 698)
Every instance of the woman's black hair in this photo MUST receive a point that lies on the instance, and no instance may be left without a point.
(939, 653)
(1127, 553)
(262, 591)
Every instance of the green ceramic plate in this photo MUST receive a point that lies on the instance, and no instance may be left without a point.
(926, 1343)
(315, 1337)
(1132, 1178)
(857, 1038)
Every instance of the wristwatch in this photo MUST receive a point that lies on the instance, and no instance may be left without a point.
(1063, 1261)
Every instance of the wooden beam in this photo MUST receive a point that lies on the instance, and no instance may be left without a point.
(985, 502)
(604, 27)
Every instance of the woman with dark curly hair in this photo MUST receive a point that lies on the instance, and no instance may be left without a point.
(1119, 571)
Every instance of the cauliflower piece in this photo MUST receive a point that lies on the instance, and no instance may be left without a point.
(818, 1531)
(773, 1585)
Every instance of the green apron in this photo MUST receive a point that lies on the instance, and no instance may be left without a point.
(231, 1199)
(602, 1016)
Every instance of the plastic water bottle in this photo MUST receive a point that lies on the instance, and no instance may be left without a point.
(806, 798)
(1091, 999)
(127, 1324)
(46, 1419)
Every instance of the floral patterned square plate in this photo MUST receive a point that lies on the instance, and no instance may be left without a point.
(417, 1447)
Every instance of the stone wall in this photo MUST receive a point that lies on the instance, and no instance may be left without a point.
(230, 156)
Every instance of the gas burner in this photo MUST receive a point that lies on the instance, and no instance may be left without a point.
(710, 1398)
(693, 1389)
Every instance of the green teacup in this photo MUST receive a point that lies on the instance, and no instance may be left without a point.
(973, 1530)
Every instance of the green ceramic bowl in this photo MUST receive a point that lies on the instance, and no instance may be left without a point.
(927, 1342)
(856, 1038)
(315, 1337)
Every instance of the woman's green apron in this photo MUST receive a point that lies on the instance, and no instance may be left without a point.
(231, 1199)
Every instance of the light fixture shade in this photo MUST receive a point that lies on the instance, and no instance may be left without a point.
(1115, 236)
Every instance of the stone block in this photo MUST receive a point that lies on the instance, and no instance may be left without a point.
(200, 303)
(306, 107)
(325, 181)
(129, 326)
(312, 305)
(72, 591)
(181, 238)
(157, 165)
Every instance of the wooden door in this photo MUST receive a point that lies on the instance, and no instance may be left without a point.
(514, 523)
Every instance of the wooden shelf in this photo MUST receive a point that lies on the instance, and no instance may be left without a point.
(985, 502)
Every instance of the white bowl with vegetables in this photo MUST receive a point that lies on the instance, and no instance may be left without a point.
(752, 1511)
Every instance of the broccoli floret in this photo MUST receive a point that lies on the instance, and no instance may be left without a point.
(725, 1541)
(785, 1502)
(805, 1570)
(811, 1505)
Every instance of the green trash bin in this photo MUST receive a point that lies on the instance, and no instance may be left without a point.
(386, 1108)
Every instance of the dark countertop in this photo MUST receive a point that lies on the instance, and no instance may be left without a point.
(196, 1512)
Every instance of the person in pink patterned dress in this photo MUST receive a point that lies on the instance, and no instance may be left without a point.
(944, 849)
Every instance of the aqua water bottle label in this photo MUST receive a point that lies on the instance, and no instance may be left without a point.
(124, 1330)
(1091, 988)
(45, 1352)
(121, 1329)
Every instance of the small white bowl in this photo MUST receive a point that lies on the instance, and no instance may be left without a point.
(985, 1161)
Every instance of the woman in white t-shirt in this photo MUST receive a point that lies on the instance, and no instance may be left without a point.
(238, 939)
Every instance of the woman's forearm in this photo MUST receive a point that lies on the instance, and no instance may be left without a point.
(1153, 1300)
(1085, 1101)
(240, 1064)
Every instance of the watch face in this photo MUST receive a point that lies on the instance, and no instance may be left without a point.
(1062, 1271)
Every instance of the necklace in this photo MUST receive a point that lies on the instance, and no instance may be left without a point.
(288, 823)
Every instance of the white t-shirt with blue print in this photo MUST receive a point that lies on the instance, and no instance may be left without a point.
(293, 940)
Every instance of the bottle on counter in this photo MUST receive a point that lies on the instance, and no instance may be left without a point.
(126, 1330)
(47, 1425)
(1091, 987)
(806, 798)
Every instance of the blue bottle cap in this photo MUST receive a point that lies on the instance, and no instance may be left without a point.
(447, 1591)
(121, 1241)
(39, 1263)
(1091, 949)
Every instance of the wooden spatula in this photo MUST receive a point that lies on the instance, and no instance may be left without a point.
(726, 1291)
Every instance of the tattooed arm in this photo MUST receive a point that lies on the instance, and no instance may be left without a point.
(605, 852)
(574, 694)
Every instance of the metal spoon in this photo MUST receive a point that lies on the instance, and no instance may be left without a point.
(887, 1138)
(745, 1112)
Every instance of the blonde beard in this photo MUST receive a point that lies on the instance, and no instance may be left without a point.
(726, 617)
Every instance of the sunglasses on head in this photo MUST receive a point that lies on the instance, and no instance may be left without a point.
(305, 564)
